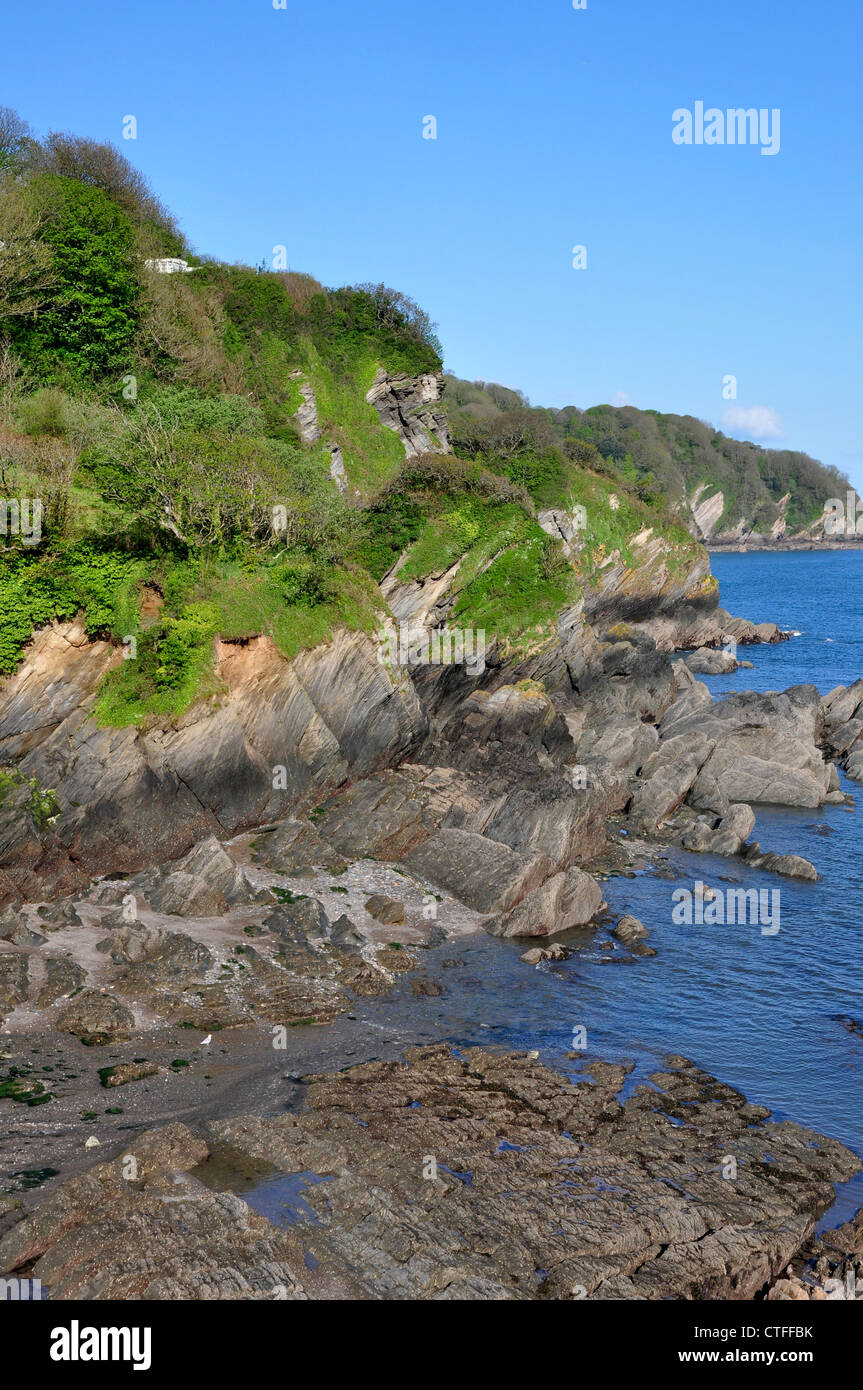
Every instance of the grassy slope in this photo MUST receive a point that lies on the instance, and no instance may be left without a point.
(681, 453)
(213, 355)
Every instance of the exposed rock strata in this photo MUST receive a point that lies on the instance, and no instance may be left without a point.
(483, 1176)
(411, 407)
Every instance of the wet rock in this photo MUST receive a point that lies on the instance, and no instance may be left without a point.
(630, 930)
(789, 865)
(733, 830)
(697, 839)
(423, 988)
(125, 1072)
(474, 1144)
(726, 836)
(536, 954)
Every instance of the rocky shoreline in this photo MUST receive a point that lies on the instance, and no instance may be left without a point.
(205, 992)
(448, 1176)
(717, 547)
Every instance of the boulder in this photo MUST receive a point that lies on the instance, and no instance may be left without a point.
(182, 895)
(210, 863)
(301, 922)
(666, 778)
(711, 661)
(569, 899)
(789, 865)
(296, 845)
(96, 1017)
(630, 930)
(62, 977)
(14, 979)
(13, 928)
(389, 911)
(734, 829)
(484, 874)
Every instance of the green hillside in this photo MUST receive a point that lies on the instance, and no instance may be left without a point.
(153, 417)
(666, 458)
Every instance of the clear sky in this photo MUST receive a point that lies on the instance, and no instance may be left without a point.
(303, 126)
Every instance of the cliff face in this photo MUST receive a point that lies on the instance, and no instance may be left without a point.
(411, 406)
(84, 799)
(278, 737)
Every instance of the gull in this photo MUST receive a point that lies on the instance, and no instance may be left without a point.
(207, 1040)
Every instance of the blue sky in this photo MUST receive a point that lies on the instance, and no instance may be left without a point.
(303, 127)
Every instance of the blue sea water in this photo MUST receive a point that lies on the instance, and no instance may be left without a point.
(761, 1012)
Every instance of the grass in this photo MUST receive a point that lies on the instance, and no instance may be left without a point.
(372, 453)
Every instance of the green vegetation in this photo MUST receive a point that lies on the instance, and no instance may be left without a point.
(18, 1085)
(155, 418)
(662, 459)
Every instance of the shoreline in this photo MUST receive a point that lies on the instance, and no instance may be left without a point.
(785, 548)
(322, 918)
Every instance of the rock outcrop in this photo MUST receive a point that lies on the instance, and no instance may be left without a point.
(440, 1178)
(410, 405)
(279, 736)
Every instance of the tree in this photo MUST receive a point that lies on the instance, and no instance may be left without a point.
(17, 143)
(26, 262)
(101, 165)
(90, 312)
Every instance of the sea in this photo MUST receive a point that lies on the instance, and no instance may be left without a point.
(774, 1015)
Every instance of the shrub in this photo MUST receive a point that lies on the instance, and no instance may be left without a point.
(90, 314)
(26, 263)
(46, 412)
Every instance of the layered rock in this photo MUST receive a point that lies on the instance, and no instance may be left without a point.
(441, 1177)
(130, 796)
(411, 406)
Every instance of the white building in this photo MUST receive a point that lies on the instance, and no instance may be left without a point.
(170, 265)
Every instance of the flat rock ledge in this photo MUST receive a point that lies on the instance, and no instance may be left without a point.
(475, 1175)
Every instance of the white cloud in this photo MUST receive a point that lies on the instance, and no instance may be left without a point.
(753, 422)
(620, 398)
